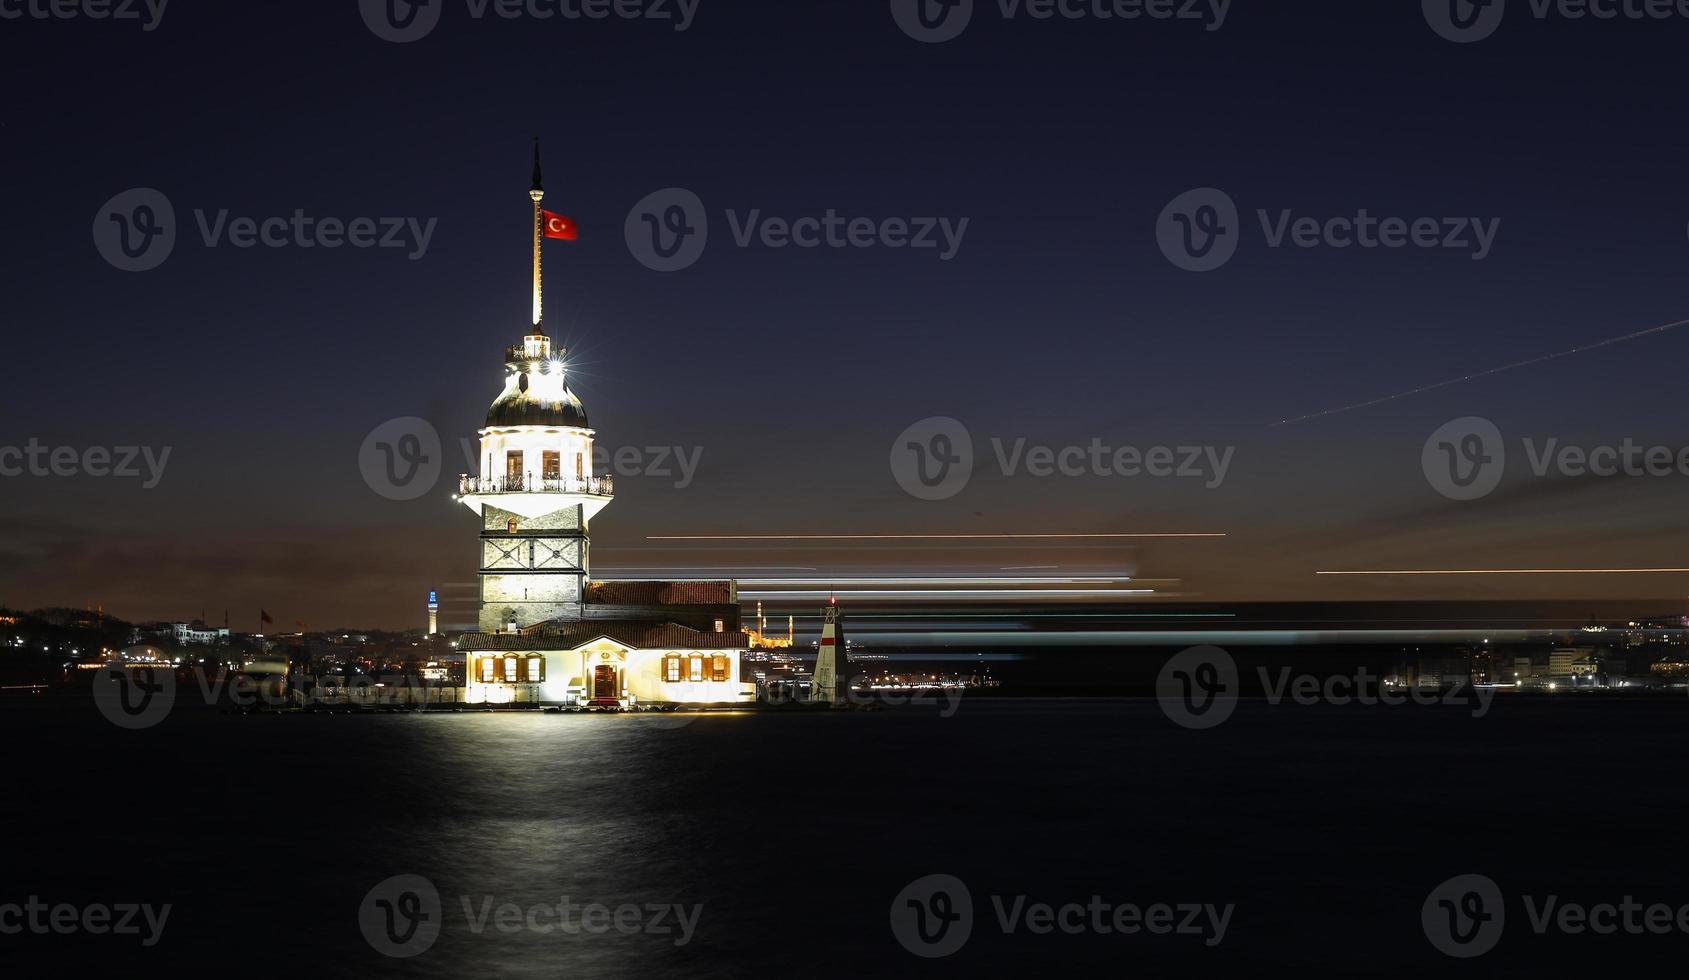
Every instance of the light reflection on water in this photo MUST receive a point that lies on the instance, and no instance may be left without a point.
(795, 830)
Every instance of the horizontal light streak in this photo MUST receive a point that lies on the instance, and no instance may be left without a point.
(972, 580)
(711, 568)
(925, 537)
(1519, 571)
(1186, 638)
(930, 593)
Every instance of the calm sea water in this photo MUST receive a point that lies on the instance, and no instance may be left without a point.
(791, 834)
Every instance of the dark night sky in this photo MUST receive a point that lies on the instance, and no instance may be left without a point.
(1059, 320)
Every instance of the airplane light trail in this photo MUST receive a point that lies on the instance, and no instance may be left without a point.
(944, 593)
(936, 580)
(921, 537)
(1520, 571)
(1482, 374)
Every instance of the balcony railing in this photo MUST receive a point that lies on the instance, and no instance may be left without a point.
(597, 486)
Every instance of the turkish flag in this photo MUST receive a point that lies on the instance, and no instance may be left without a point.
(558, 226)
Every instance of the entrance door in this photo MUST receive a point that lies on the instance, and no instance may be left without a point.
(604, 684)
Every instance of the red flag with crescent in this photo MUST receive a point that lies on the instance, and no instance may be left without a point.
(558, 225)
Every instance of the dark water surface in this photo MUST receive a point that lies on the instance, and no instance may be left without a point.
(793, 833)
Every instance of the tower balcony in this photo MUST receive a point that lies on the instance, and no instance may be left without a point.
(592, 486)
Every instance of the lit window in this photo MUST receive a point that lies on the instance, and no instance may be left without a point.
(696, 668)
(721, 626)
(536, 670)
(552, 464)
(718, 667)
(671, 668)
(510, 669)
(511, 526)
(486, 670)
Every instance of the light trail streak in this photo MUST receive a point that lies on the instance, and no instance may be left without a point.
(945, 593)
(1483, 374)
(1520, 571)
(924, 537)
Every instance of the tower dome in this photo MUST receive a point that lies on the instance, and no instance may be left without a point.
(536, 390)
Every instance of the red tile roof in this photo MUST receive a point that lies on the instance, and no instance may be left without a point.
(656, 593)
(572, 634)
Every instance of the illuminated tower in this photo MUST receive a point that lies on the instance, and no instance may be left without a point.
(536, 493)
(433, 613)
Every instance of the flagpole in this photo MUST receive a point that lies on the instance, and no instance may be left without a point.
(536, 193)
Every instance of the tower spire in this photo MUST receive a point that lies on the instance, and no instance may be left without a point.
(536, 193)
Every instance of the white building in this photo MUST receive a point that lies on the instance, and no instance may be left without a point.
(199, 633)
(548, 632)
